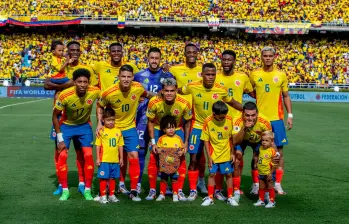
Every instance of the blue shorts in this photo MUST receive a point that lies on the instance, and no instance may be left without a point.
(242, 146)
(108, 171)
(165, 176)
(131, 140)
(81, 134)
(195, 143)
(279, 132)
(143, 134)
(264, 177)
(223, 168)
(59, 81)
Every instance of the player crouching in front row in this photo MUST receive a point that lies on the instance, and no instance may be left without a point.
(109, 147)
(265, 170)
(216, 134)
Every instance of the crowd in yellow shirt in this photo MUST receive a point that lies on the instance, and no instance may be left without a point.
(199, 10)
(302, 58)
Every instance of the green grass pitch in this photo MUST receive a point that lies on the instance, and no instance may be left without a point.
(316, 176)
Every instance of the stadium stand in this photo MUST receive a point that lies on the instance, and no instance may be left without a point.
(305, 59)
(333, 11)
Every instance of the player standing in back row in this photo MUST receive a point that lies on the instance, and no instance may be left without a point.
(271, 88)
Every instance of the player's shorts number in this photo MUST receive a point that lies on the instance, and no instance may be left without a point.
(80, 111)
(267, 88)
(206, 104)
(112, 142)
(116, 79)
(154, 88)
(230, 92)
(125, 107)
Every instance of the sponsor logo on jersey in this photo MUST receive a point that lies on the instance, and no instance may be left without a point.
(260, 80)
(221, 83)
(73, 105)
(89, 101)
(108, 71)
(237, 83)
(118, 101)
(146, 80)
(184, 74)
(212, 129)
(215, 96)
(276, 79)
(161, 112)
(198, 95)
(133, 97)
(105, 135)
(137, 147)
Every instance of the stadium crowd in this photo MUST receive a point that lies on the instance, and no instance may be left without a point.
(304, 60)
(281, 10)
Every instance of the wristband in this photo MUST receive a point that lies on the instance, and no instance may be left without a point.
(60, 137)
(290, 115)
(153, 141)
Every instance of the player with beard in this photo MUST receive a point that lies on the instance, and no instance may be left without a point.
(151, 79)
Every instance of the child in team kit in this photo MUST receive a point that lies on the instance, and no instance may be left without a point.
(265, 170)
(170, 141)
(58, 65)
(216, 134)
(109, 147)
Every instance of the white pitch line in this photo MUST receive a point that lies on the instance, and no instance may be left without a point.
(15, 104)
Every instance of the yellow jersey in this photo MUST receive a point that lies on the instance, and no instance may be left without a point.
(124, 104)
(77, 110)
(71, 69)
(218, 134)
(269, 87)
(237, 84)
(265, 157)
(185, 75)
(203, 99)
(108, 74)
(109, 140)
(55, 65)
(170, 142)
(157, 109)
(253, 134)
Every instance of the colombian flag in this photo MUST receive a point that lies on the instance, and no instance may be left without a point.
(121, 22)
(3, 21)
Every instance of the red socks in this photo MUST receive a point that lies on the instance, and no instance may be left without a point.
(134, 172)
(175, 185)
(219, 178)
(254, 174)
(278, 177)
(89, 166)
(272, 195)
(102, 187)
(80, 164)
(210, 190)
(261, 193)
(193, 179)
(163, 186)
(182, 172)
(152, 171)
(230, 192)
(56, 156)
(63, 168)
(236, 183)
(112, 185)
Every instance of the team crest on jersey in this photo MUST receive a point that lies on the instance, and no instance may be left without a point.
(236, 128)
(226, 128)
(101, 173)
(215, 96)
(199, 75)
(146, 80)
(176, 111)
(133, 97)
(237, 83)
(191, 147)
(89, 101)
(275, 79)
(266, 156)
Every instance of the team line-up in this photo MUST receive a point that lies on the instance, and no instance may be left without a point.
(170, 111)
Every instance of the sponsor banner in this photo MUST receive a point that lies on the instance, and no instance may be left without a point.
(276, 28)
(301, 96)
(36, 92)
(213, 21)
(3, 92)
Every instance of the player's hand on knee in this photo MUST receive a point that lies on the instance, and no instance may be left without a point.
(232, 157)
(61, 146)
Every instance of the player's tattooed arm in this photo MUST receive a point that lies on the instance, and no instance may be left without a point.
(99, 112)
(187, 126)
(151, 125)
(60, 142)
(239, 137)
(235, 104)
(48, 85)
(150, 94)
(288, 105)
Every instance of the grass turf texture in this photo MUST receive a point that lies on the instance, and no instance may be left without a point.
(315, 178)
